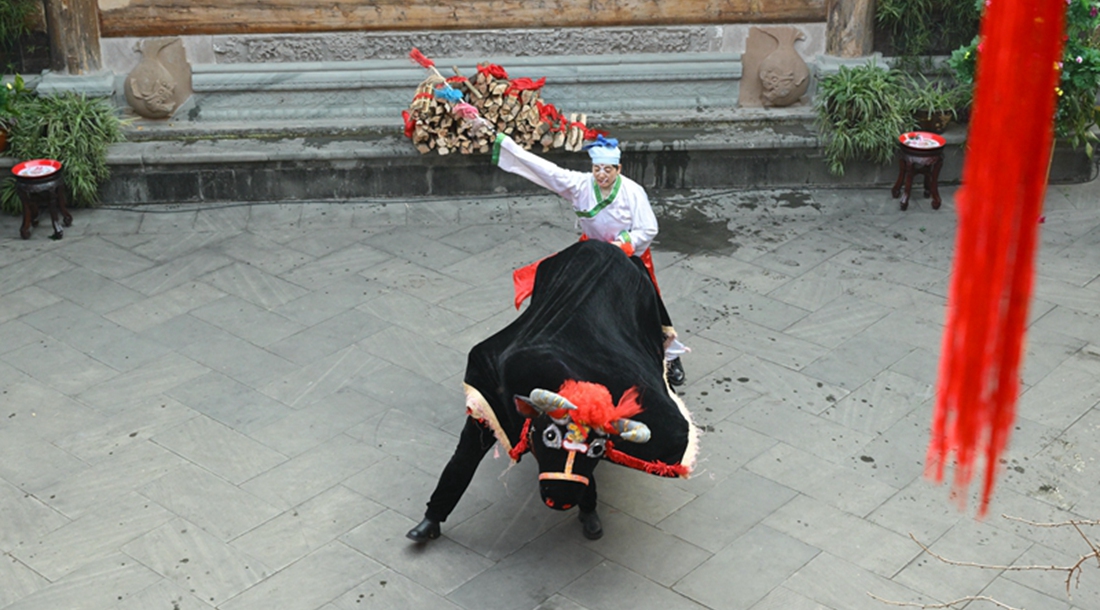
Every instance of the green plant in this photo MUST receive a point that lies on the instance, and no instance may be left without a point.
(860, 113)
(963, 61)
(919, 28)
(73, 129)
(1077, 113)
(14, 17)
(10, 93)
(932, 96)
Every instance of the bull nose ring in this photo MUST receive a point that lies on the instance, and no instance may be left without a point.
(567, 475)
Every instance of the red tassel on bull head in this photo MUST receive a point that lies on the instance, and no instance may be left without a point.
(999, 206)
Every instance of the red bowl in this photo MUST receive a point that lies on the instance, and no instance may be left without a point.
(36, 168)
(922, 140)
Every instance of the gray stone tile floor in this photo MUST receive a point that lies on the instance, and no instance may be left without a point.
(246, 406)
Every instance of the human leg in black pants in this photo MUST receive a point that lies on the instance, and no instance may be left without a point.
(676, 375)
(590, 520)
(474, 442)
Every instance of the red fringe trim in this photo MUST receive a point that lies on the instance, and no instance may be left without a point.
(1004, 180)
(657, 467)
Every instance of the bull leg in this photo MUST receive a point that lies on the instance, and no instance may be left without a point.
(473, 444)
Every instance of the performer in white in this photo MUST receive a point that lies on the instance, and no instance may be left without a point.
(609, 206)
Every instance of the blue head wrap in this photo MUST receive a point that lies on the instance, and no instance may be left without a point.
(604, 151)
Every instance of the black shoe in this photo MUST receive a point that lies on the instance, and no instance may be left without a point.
(593, 529)
(676, 374)
(424, 531)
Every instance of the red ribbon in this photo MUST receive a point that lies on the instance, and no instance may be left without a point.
(550, 115)
(590, 134)
(524, 84)
(410, 123)
(493, 70)
(457, 79)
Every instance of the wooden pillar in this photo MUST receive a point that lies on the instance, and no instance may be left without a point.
(850, 28)
(73, 26)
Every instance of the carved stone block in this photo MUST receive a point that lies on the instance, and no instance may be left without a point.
(161, 82)
(774, 74)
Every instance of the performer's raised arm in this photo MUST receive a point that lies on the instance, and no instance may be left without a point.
(511, 157)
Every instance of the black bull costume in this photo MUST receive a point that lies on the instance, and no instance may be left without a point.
(578, 377)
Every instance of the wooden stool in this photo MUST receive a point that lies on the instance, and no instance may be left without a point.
(39, 182)
(919, 153)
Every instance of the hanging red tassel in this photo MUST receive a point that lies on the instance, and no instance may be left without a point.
(1004, 179)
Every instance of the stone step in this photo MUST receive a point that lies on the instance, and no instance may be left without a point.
(337, 161)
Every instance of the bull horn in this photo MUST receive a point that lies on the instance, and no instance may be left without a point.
(630, 430)
(545, 401)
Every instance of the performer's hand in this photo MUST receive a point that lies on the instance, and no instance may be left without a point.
(480, 125)
(625, 247)
(670, 337)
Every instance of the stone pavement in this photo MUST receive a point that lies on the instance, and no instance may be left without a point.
(246, 406)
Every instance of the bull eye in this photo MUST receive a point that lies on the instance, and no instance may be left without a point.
(551, 437)
(596, 448)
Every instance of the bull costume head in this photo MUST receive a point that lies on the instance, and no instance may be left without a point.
(569, 436)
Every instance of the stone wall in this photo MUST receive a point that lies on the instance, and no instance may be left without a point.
(120, 54)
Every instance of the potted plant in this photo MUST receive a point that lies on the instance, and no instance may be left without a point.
(860, 114)
(933, 102)
(71, 128)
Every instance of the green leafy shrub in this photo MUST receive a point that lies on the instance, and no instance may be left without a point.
(10, 94)
(14, 19)
(1079, 82)
(75, 130)
(933, 96)
(860, 114)
(920, 28)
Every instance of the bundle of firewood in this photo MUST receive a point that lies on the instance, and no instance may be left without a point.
(510, 106)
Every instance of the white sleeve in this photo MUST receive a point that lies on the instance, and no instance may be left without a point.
(511, 157)
(643, 228)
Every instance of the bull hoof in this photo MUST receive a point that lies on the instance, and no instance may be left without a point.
(424, 531)
(590, 522)
(676, 376)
